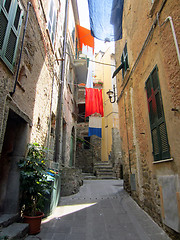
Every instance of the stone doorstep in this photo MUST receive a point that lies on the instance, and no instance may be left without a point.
(7, 219)
(15, 231)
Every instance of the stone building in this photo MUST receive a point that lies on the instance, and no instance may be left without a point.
(37, 93)
(149, 107)
(88, 148)
(110, 145)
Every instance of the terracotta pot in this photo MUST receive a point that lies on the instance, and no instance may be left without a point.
(34, 222)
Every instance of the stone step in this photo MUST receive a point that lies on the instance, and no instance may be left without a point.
(14, 231)
(105, 174)
(105, 177)
(104, 170)
(100, 164)
(88, 176)
(7, 219)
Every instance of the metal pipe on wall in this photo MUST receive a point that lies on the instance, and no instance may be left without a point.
(19, 63)
(174, 35)
(59, 118)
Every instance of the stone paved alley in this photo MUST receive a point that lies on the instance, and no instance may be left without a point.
(102, 210)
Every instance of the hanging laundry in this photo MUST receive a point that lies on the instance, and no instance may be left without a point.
(88, 51)
(89, 82)
(106, 19)
(93, 102)
(85, 37)
(95, 126)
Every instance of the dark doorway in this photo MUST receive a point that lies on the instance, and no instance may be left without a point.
(71, 163)
(64, 142)
(14, 145)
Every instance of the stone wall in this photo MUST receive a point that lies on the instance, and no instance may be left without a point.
(135, 132)
(71, 181)
(116, 156)
(85, 158)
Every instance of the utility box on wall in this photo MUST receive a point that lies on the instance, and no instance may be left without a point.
(170, 201)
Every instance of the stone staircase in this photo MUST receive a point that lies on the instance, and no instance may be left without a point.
(11, 229)
(104, 170)
(89, 176)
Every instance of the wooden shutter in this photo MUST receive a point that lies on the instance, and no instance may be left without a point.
(156, 116)
(10, 22)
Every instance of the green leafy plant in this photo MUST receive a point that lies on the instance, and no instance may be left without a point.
(4, 238)
(34, 186)
(100, 83)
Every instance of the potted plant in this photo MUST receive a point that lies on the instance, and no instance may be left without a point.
(34, 186)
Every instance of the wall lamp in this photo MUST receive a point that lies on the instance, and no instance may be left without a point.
(111, 94)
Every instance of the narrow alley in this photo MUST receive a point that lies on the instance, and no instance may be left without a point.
(89, 119)
(102, 210)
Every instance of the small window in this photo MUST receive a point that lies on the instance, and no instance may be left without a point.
(52, 22)
(81, 114)
(159, 136)
(124, 60)
(53, 124)
(10, 19)
(87, 143)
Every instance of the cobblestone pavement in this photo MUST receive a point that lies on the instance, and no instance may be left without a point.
(101, 210)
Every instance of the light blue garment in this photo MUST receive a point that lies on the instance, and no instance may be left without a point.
(106, 19)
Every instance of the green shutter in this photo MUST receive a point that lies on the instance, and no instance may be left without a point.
(124, 60)
(157, 119)
(10, 21)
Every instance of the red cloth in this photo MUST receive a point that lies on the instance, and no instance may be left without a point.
(93, 102)
(85, 37)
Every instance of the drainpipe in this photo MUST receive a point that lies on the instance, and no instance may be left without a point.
(174, 35)
(59, 119)
(19, 63)
(127, 135)
(148, 38)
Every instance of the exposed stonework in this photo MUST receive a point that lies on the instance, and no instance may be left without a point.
(71, 180)
(137, 150)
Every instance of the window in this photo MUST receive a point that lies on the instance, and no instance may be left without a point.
(156, 116)
(10, 21)
(87, 143)
(52, 21)
(124, 60)
(81, 114)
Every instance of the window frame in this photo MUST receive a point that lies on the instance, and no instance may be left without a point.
(52, 22)
(124, 60)
(159, 136)
(87, 143)
(6, 51)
